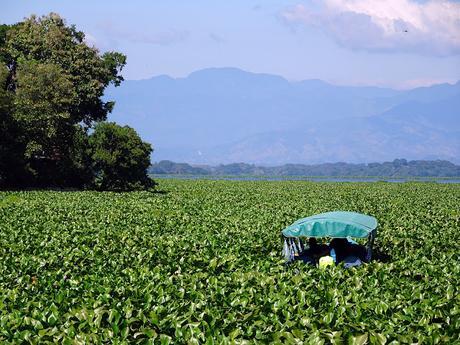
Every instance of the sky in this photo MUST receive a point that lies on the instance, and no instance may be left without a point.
(392, 43)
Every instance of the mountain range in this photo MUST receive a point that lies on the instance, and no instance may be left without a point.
(226, 115)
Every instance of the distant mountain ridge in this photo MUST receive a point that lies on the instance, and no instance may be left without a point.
(225, 115)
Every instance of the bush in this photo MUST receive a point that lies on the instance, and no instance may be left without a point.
(119, 158)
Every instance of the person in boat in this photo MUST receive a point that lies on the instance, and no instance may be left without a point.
(351, 253)
(314, 251)
(317, 250)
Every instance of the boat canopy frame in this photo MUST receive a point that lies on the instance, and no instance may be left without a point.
(338, 224)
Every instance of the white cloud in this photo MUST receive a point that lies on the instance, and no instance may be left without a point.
(431, 28)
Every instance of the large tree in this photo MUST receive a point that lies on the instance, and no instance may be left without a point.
(49, 40)
(52, 85)
(12, 165)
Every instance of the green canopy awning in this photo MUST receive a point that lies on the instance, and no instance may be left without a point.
(333, 224)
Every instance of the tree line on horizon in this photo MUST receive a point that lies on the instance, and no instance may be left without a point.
(397, 168)
(53, 128)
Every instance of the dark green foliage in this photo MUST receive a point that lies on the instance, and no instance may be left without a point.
(4, 56)
(202, 262)
(48, 40)
(120, 158)
(51, 94)
(43, 101)
(12, 163)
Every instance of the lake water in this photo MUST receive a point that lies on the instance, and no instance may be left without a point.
(307, 178)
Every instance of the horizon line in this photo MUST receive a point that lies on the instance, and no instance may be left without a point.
(406, 85)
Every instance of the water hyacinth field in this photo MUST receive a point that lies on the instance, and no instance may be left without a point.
(201, 262)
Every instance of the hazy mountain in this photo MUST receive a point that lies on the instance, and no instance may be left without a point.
(441, 114)
(228, 115)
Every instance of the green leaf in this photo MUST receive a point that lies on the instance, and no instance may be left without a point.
(358, 340)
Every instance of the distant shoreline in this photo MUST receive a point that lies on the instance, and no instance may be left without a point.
(397, 169)
(387, 179)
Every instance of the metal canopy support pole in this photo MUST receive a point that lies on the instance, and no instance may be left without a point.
(295, 250)
(370, 243)
(289, 249)
(299, 243)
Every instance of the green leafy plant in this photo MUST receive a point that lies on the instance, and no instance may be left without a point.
(202, 263)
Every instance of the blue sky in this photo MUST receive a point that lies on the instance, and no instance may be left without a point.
(397, 43)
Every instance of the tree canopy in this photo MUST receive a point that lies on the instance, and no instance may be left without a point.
(48, 40)
(52, 85)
